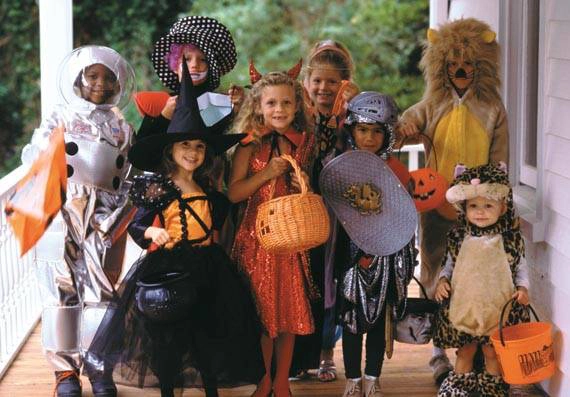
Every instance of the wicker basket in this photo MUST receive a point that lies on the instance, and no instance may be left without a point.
(292, 223)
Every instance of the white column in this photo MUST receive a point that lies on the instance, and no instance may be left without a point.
(438, 10)
(56, 41)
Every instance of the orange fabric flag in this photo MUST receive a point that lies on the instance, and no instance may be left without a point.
(40, 194)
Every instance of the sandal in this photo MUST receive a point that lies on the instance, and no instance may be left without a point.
(327, 371)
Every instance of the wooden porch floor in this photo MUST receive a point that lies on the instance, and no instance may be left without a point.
(406, 374)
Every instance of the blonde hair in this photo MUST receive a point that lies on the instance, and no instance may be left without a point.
(250, 117)
(330, 53)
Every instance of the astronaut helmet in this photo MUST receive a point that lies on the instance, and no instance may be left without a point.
(98, 75)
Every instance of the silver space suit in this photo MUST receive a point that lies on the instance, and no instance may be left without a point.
(77, 289)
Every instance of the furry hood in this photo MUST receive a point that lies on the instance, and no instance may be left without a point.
(476, 41)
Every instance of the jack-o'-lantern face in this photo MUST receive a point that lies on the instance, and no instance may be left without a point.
(460, 72)
(427, 188)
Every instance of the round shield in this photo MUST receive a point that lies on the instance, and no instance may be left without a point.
(369, 201)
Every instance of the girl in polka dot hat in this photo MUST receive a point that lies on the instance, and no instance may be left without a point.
(209, 50)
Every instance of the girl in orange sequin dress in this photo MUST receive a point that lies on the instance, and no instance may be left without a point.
(274, 115)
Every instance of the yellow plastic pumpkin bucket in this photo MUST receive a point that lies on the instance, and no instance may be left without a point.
(524, 350)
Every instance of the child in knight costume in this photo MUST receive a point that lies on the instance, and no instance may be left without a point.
(369, 283)
(185, 316)
(95, 81)
(484, 269)
(463, 114)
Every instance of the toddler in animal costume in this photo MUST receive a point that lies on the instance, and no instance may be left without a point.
(463, 114)
(484, 269)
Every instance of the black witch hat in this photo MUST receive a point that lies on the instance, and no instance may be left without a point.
(186, 124)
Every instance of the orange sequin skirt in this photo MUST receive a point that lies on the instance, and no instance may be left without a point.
(280, 284)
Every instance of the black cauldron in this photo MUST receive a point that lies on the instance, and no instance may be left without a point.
(165, 297)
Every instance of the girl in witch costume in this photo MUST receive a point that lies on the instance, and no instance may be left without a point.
(463, 114)
(484, 269)
(274, 116)
(185, 316)
(368, 283)
(95, 82)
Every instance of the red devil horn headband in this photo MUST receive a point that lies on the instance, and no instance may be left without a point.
(255, 76)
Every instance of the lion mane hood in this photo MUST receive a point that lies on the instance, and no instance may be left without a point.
(474, 40)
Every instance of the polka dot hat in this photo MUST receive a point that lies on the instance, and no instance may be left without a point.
(210, 36)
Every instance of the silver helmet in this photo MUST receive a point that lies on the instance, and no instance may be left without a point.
(373, 107)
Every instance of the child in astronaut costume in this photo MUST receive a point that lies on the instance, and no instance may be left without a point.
(94, 81)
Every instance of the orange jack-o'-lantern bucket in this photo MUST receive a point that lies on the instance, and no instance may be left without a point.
(427, 186)
(524, 350)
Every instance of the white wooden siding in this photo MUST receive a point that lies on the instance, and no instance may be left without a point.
(558, 118)
(557, 198)
(559, 81)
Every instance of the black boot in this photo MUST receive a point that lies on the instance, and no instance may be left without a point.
(67, 384)
(103, 387)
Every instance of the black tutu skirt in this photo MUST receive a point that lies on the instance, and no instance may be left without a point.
(206, 335)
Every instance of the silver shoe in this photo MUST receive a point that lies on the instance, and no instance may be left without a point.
(353, 388)
(371, 386)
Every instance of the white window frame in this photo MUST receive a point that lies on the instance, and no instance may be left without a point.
(527, 179)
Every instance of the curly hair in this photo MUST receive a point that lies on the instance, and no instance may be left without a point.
(203, 175)
(333, 54)
(250, 117)
(174, 56)
(475, 41)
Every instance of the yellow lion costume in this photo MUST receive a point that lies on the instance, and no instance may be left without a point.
(462, 112)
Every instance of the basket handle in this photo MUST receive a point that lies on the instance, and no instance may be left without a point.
(510, 302)
(421, 135)
(298, 174)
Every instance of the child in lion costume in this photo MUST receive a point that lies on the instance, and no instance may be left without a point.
(462, 112)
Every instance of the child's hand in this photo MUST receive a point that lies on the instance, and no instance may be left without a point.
(276, 167)
(168, 109)
(521, 296)
(407, 129)
(442, 290)
(237, 95)
(295, 183)
(158, 235)
(350, 91)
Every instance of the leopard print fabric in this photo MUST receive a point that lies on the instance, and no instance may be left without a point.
(471, 384)
(458, 385)
(446, 336)
(492, 385)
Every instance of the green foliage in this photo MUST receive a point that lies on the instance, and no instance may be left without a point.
(19, 68)
(129, 26)
(384, 37)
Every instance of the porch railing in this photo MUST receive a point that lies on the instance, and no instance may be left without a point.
(20, 303)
